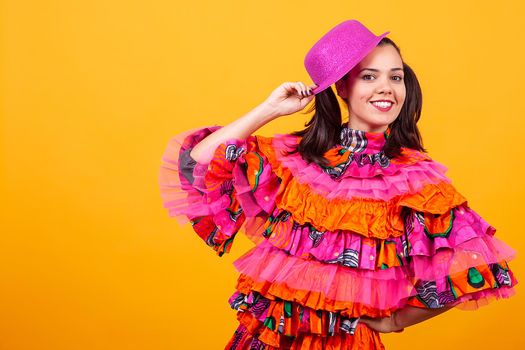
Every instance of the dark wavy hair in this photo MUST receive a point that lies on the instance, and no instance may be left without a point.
(323, 131)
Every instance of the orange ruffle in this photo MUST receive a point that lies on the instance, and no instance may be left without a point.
(311, 299)
(465, 293)
(408, 155)
(279, 234)
(368, 217)
(364, 338)
(433, 198)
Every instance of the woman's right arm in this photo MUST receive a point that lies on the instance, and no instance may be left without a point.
(217, 190)
(240, 129)
(288, 98)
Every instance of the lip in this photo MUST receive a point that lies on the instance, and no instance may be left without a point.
(382, 101)
(380, 108)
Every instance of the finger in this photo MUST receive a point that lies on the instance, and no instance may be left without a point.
(298, 88)
(291, 88)
(312, 86)
(289, 85)
(304, 89)
(308, 89)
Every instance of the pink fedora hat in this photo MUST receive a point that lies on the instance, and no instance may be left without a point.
(338, 51)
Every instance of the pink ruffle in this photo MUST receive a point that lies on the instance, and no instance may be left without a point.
(182, 199)
(368, 181)
(472, 253)
(467, 224)
(381, 289)
(210, 195)
(473, 301)
(260, 307)
(469, 243)
(304, 241)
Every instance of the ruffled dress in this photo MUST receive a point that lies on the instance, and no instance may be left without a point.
(366, 235)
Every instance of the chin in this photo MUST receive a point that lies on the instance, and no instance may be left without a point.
(387, 118)
(379, 122)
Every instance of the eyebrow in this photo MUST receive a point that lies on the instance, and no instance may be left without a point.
(377, 70)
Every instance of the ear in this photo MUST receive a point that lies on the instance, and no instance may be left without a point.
(340, 86)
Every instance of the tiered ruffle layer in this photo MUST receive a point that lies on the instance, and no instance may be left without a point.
(282, 324)
(329, 250)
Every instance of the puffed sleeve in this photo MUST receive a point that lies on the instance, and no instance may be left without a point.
(456, 259)
(236, 189)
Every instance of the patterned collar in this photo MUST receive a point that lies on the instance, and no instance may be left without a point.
(359, 141)
(360, 147)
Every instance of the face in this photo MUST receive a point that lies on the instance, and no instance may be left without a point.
(378, 77)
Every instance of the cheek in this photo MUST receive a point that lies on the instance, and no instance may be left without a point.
(401, 94)
(361, 95)
(359, 101)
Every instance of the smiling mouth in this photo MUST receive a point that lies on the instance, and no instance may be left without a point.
(382, 106)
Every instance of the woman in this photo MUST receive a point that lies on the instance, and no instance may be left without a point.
(357, 230)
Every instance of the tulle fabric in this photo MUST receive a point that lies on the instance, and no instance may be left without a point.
(368, 217)
(342, 247)
(281, 143)
(179, 196)
(472, 301)
(465, 240)
(268, 269)
(279, 324)
(369, 181)
(289, 318)
(370, 242)
(247, 337)
(469, 242)
(467, 290)
(309, 298)
(380, 289)
(219, 196)
(371, 217)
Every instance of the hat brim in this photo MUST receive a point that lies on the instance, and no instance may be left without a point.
(348, 67)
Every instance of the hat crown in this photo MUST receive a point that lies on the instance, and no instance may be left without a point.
(338, 51)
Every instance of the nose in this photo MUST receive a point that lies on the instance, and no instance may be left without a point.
(384, 87)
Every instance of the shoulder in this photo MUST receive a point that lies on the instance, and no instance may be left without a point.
(410, 156)
(412, 162)
(432, 190)
(275, 146)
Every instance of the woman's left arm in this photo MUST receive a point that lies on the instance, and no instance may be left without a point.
(405, 317)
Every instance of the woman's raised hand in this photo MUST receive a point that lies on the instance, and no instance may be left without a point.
(290, 97)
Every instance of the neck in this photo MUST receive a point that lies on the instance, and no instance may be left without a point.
(358, 124)
(363, 141)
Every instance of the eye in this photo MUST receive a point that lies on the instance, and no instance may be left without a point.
(367, 75)
(398, 76)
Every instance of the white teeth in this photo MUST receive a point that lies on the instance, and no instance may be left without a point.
(382, 104)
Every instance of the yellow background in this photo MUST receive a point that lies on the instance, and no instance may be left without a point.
(93, 90)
